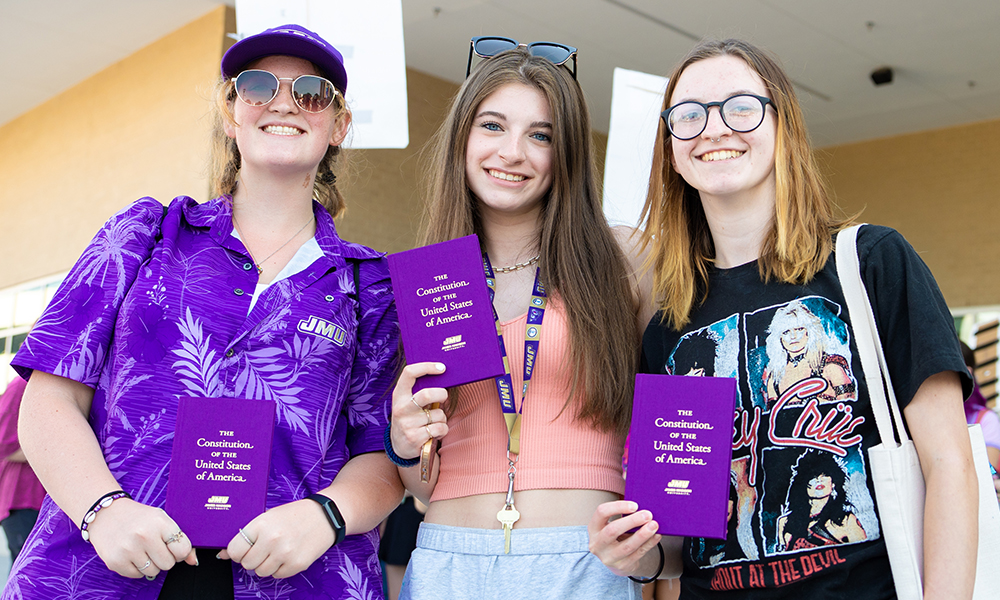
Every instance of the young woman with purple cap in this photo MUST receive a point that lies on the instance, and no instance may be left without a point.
(512, 490)
(251, 295)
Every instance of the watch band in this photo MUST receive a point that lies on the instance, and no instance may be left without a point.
(332, 515)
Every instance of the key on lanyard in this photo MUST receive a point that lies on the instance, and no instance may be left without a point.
(508, 515)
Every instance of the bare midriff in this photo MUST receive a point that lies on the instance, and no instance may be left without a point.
(538, 508)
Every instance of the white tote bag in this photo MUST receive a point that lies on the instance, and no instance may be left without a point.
(899, 482)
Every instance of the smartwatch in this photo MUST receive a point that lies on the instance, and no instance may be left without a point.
(332, 515)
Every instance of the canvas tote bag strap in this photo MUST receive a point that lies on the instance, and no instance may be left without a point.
(880, 391)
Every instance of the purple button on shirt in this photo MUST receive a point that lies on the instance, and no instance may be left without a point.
(144, 319)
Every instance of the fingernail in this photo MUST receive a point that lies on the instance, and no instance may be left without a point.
(652, 526)
(632, 507)
(439, 366)
(196, 560)
(218, 556)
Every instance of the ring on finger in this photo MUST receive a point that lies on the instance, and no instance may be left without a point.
(145, 566)
(413, 399)
(174, 538)
(427, 414)
(428, 428)
(245, 537)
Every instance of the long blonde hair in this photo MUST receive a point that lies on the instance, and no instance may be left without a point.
(225, 161)
(800, 239)
(580, 260)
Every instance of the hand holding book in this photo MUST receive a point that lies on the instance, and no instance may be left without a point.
(417, 419)
(445, 314)
(271, 555)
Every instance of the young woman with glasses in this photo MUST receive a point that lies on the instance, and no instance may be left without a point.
(513, 162)
(741, 230)
(220, 299)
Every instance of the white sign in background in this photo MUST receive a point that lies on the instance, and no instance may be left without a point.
(369, 34)
(636, 99)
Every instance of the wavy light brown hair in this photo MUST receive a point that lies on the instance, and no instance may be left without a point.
(580, 260)
(225, 161)
(800, 239)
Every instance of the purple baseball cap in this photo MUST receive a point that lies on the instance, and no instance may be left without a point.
(289, 40)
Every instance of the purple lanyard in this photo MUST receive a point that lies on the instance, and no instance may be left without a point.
(532, 333)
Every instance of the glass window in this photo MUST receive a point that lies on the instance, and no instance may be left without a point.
(16, 341)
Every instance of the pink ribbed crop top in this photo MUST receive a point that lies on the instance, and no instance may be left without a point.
(557, 450)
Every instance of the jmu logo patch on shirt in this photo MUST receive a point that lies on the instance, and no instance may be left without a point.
(325, 329)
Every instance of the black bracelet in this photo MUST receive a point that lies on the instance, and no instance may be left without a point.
(332, 515)
(102, 502)
(396, 460)
(658, 570)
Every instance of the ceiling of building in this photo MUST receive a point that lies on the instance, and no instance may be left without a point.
(943, 54)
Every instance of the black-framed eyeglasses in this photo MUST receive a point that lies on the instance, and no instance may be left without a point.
(311, 93)
(741, 113)
(490, 45)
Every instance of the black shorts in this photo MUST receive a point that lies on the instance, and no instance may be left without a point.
(400, 537)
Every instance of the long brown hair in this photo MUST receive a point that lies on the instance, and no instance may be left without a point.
(225, 161)
(800, 239)
(580, 261)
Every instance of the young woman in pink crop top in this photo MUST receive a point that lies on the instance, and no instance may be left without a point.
(514, 163)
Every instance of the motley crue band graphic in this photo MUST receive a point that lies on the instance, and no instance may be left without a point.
(798, 479)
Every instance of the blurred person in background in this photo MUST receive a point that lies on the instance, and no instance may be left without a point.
(20, 491)
(976, 411)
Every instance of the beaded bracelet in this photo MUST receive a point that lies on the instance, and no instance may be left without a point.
(102, 502)
(396, 460)
(644, 580)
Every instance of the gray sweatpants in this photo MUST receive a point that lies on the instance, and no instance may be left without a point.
(550, 562)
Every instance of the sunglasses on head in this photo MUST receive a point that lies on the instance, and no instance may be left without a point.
(311, 93)
(489, 45)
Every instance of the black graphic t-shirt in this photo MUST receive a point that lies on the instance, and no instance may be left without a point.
(803, 522)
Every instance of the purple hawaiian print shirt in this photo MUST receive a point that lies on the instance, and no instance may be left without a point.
(156, 308)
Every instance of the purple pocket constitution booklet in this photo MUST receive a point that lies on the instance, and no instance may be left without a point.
(445, 313)
(680, 450)
(219, 467)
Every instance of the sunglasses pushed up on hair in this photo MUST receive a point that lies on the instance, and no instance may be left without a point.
(487, 46)
(311, 93)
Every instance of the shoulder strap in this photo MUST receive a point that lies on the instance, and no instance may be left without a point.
(881, 394)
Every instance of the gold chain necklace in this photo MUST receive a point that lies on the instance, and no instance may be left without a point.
(256, 264)
(517, 266)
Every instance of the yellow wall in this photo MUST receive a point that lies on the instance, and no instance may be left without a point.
(385, 187)
(941, 190)
(137, 128)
